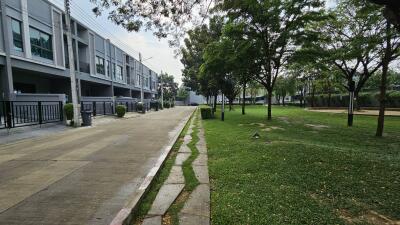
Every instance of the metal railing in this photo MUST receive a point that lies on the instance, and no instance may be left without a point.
(130, 104)
(27, 113)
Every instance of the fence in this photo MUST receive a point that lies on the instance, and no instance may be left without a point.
(98, 107)
(130, 104)
(27, 113)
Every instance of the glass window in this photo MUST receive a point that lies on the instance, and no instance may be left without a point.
(119, 73)
(108, 64)
(17, 35)
(41, 44)
(100, 65)
(113, 70)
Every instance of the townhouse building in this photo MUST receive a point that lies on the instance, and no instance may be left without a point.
(34, 57)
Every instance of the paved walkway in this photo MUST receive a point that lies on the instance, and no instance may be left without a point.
(83, 176)
(196, 210)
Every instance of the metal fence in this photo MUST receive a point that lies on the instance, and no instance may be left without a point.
(98, 107)
(130, 104)
(27, 113)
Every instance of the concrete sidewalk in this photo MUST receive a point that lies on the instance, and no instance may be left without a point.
(85, 176)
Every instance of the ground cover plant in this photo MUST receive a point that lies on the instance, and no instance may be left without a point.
(306, 168)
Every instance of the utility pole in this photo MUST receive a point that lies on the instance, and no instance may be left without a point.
(141, 78)
(71, 63)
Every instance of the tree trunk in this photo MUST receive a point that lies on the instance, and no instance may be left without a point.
(269, 105)
(283, 100)
(385, 68)
(215, 103)
(230, 104)
(244, 99)
(313, 96)
(329, 94)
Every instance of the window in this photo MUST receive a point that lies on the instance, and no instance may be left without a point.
(100, 65)
(119, 73)
(17, 35)
(41, 44)
(113, 70)
(108, 64)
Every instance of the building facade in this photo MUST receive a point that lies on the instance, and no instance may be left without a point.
(34, 57)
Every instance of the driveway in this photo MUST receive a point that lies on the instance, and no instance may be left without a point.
(82, 176)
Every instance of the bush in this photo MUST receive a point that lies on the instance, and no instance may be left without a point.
(121, 110)
(393, 99)
(206, 112)
(154, 105)
(159, 105)
(69, 111)
(172, 104)
(166, 105)
(140, 107)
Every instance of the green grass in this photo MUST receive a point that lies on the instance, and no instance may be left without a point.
(191, 181)
(158, 180)
(301, 175)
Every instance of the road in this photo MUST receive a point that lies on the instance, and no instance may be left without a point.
(82, 176)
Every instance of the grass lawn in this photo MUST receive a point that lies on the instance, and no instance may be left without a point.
(306, 168)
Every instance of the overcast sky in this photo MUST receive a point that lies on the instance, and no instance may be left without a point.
(161, 55)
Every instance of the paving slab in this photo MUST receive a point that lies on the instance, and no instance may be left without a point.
(175, 176)
(198, 202)
(181, 158)
(201, 173)
(201, 160)
(165, 197)
(201, 146)
(184, 149)
(154, 220)
(85, 175)
(189, 219)
(187, 138)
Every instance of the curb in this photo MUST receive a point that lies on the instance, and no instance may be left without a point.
(124, 215)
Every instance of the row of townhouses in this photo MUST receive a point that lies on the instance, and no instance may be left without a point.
(33, 35)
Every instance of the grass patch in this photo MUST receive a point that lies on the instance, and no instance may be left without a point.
(307, 168)
(191, 181)
(158, 180)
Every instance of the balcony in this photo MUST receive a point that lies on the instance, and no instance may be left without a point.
(84, 67)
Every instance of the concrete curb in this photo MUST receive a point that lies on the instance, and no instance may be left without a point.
(124, 216)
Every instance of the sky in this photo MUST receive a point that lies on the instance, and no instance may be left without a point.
(160, 57)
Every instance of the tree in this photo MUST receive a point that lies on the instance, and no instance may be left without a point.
(285, 86)
(276, 26)
(162, 17)
(192, 57)
(168, 85)
(391, 52)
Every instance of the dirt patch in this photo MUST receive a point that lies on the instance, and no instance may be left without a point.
(316, 126)
(258, 124)
(370, 217)
(272, 128)
(284, 119)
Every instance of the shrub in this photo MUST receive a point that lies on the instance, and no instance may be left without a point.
(206, 112)
(139, 107)
(154, 105)
(172, 104)
(393, 98)
(159, 105)
(166, 105)
(121, 110)
(69, 111)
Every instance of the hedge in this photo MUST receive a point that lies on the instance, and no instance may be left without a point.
(365, 99)
(206, 112)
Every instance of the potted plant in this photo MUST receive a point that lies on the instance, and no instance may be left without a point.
(69, 112)
(140, 107)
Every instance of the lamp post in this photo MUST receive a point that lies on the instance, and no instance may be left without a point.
(352, 85)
